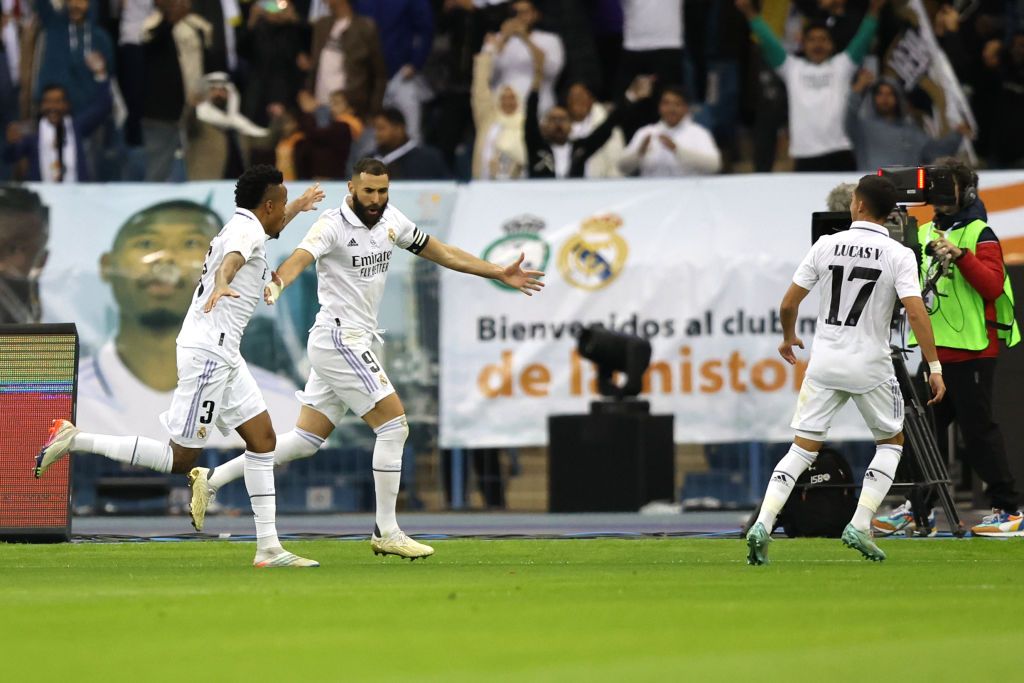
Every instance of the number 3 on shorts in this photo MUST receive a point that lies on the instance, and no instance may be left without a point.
(370, 361)
(208, 418)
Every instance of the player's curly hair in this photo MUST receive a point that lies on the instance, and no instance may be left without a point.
(252, 186)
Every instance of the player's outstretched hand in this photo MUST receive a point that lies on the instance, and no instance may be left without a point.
(216, 294)
(524, 280)
(786, 349)
(938, 387)
(272, 292)
(310, 198)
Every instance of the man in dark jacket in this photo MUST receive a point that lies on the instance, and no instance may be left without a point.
(56, 151)
(346, 55)
(406, 30)
(406, 160)
(549, 151)
(176, 42)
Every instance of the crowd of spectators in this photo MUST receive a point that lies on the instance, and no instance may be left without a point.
(163, 90)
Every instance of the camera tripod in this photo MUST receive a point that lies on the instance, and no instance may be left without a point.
(930, 465)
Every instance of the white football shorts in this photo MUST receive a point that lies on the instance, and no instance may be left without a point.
(881, 408)
(346, 373)
(210, 393)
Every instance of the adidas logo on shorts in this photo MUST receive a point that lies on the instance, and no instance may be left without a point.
(352, 242)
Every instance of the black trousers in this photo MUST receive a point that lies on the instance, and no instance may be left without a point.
(968, 403)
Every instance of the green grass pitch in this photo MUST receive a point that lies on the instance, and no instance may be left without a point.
(516, 610)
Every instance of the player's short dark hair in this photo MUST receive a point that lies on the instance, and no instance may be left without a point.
(369, 166)
(817, 25)
(392, 116)
(206, 217)
(878, 195)
(252, 186)
(965, 175)
(19, 199)
(676, 90)
(53, 86)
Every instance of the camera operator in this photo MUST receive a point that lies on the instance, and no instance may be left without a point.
(971, 311)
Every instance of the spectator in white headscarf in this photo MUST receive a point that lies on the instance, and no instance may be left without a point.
(500, 150)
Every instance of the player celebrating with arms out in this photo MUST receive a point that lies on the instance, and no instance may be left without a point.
(862, 272)
(352, 247)
(215, 388)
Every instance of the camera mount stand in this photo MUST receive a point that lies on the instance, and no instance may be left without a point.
(932, 474)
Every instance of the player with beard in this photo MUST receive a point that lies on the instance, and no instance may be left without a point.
(215, 387)
(152, 268)
(352, 247)
(24, 230)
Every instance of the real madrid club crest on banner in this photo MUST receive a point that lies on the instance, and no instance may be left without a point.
(594, 257)
(522, 236)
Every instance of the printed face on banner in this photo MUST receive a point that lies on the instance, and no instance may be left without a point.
(155, 261)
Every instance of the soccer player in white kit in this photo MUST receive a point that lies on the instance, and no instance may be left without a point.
(862, 272)
(352, 247)
(215, 388)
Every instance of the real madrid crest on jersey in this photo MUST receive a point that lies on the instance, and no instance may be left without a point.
(392, 236)
(522, 235)
(594, 257)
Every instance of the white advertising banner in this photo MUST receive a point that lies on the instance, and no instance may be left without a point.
(696, 266)
(126, 283)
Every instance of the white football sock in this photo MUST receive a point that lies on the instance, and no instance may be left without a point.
(781, 484)
(387, 470)
(877, 480)
(133, 450)
(290, 446)
(259, 482)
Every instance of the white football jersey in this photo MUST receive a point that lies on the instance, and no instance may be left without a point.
(862, 272)
(352, 262)
(220, 330)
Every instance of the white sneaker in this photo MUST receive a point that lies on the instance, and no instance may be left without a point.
(279, 557)
(202, 496)
(58, 443)
(397, 543)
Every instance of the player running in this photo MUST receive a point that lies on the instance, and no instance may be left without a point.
(215, 388)
(352, 247)
(862, 272)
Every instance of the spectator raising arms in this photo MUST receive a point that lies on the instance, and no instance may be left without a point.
(550, 151)
(328, 141)
(514, 62)
(586, 114)
(499, 150)
(674, 146)
(818, 85)
(274, 38)
(883, 132)
(71, 35)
